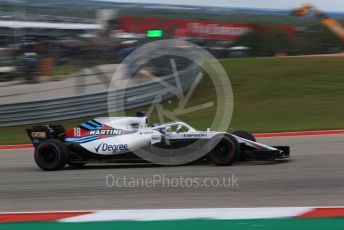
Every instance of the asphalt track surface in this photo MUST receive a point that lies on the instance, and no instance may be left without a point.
(314, 176)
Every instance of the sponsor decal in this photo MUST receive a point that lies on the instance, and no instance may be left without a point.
(197, 28)
(111, 148)
(155, 138)
(216, 29)
(190, 28)
(38, 134)
(195, 135)
(146, 132)
(106, 132)
(97, 148)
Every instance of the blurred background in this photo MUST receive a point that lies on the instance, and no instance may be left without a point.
(70, 49)
(285, 62)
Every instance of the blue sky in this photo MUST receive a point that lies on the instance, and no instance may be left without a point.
(324, 5)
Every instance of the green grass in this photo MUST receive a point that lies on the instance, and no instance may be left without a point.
(277, 94)
(270, 94)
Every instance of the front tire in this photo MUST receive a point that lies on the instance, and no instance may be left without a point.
(226, 151)
(51, 155)
(245, 135)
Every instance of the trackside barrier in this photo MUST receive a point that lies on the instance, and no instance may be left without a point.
(63, 108)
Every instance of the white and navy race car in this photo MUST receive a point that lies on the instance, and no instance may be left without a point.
(131, 140)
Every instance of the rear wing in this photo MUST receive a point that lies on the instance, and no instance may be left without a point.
(42, 132)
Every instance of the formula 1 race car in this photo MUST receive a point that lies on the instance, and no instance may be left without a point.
(130, 139)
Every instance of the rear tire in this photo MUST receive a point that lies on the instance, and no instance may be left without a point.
(51, 155)
(226, 151)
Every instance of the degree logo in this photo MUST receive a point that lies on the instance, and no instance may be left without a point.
(111, 148)
(97, 148)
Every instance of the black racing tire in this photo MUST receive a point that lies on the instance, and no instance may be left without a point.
(226, 150)
(76, 165)
(51, 155)
(245, 135)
